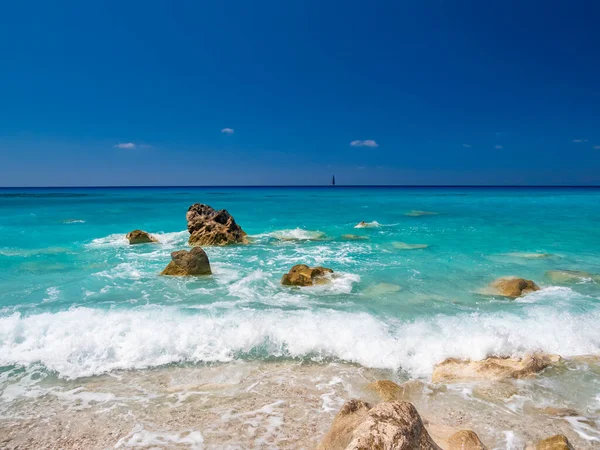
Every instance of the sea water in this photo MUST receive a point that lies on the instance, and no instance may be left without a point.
(79, 305)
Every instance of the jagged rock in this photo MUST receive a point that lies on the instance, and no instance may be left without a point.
(571, 276)
(465, 440)
(140, 237)
(208, 226)
(184, 263)
(346, 420)
(513, 286)
(392, 426)
(492, 368)
(558, 442)
(302, 275)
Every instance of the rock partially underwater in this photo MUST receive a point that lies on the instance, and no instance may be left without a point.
(140, 237)
(558, 442)
(493, 368)
(208, 226)
(572, 276)
(364, 224)
(184, 263)
(302, 275)
(465, 440)
(405, 246)
(511, 287)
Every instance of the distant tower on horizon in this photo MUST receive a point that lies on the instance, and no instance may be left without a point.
(333, 180)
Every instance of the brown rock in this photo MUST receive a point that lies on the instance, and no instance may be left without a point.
(465, 440)
(558, 412)
(208, 226)
(302, 275)
(140, 237)
(184, 263)
(387, 390)
(346, 420)
(514, 287)
(392, 426)
(492, 368)
(558, 442)
(354, 237)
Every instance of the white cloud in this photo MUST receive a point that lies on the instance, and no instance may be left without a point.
(125, 145)
(498, 147)
(579, 140)
(466, 145)
(596, 147)
(364, 143)
(227, 131)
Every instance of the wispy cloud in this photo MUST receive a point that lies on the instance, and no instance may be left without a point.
(227, 131)
(364, 143)
(125, 145)
(596, 147)
(466, 145)
(498, 147)
(577, 141)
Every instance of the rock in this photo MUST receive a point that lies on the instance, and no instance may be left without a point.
(387, 390)
(392, 426)
(184, 263)
(346, 420)
(571, 276)
(492, 368)
(558, 412)
(465, 440)
(415, 213)
(495, 391)
(405, 246)
(140, 237)
(302, 275)
(364, 224)
(382, 289)
(531, 255)
(208, 226)
(354, 237)
(513, 286)
(558, 442)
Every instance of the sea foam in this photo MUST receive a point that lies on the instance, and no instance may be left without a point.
(85, 341)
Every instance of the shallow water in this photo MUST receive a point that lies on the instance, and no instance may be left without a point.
(77, 301)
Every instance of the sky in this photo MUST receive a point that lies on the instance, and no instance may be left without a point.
(120, 93)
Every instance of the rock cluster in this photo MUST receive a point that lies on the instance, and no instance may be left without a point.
(184, 263)
(208, 226)
(140, 237)
(302, 275)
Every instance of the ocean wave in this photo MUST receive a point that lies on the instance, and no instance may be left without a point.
(296, 234)
(119, 239)
(373, 224)
(84, 341)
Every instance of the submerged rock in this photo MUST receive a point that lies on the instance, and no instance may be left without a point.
(140, 237)
(415, 213)
(530, 255)
(571, 276)
(354, 237)
(387, 426)
(465, 440)
(387, 390)
(184, 263)
(405, 246)
(208, 226)
(558, 442)
(513, 286)
(382, 289)
(302, 275)
(492, 368)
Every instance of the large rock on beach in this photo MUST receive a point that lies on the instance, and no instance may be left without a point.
(208, 226)
(492, 368)
(571, 276)
(184, 263)
(465, 440)
(558, 442)
(302, 275)
(513, 287)
(387, 426)
(140, 237)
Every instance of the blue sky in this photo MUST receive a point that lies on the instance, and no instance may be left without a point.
(429, 92)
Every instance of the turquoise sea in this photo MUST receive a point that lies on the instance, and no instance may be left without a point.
(78, 302)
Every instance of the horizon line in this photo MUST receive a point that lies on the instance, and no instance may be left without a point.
(313, 186)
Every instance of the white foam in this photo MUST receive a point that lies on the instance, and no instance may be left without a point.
(373, 224)
(140, 437)
(84, 341)
(119, 240)
(52, 294)
(296, 234)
